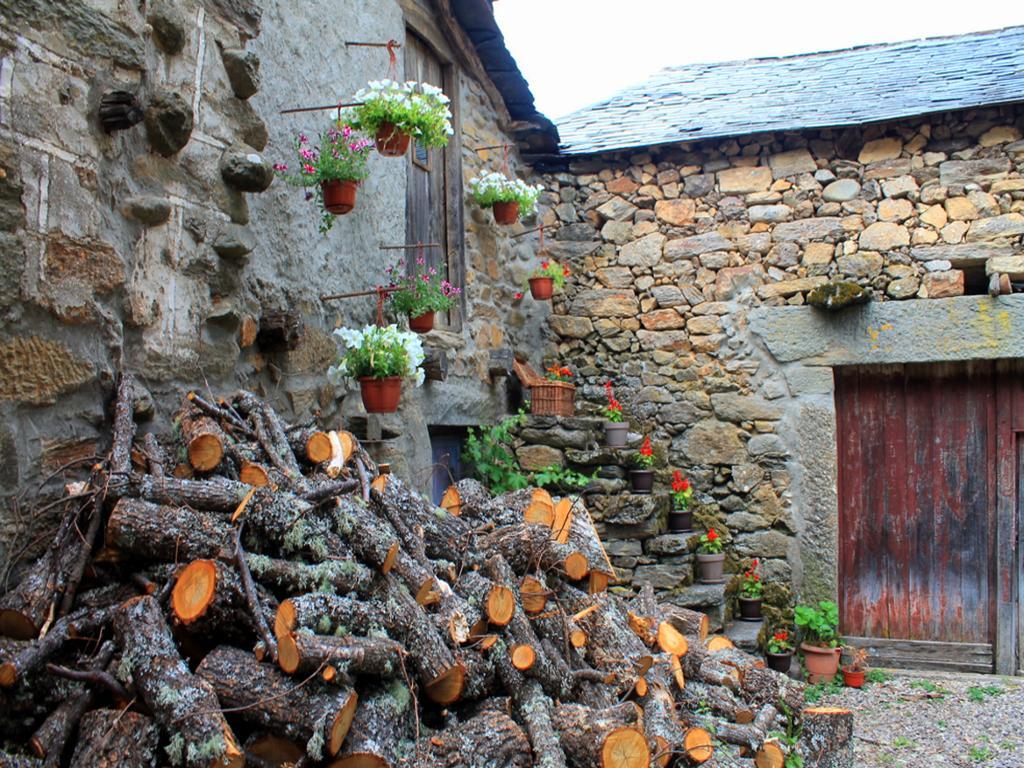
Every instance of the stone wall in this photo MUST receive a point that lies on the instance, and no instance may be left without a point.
(154, 248)
(686, 258)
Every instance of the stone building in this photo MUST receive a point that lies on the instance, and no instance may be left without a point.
(700, 210)
(697, 213)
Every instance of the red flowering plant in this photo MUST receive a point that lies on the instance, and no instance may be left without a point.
(551, 269)
(645, 456)
(751, 586)
(710, 543)
(682, 491)
(780, 642)
(559, 373)
(612, 411)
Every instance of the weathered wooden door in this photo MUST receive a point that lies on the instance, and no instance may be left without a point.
(918, 455)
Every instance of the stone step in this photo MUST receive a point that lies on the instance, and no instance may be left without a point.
(707, 598)
(744, 634)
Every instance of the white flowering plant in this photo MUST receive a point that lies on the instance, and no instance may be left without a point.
(418, 109)
(490, 188)
(377, 353)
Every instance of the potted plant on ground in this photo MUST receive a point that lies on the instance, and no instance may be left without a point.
(333, 169)
(546, 279)
(378, 358)
(680, 517)
(616, 431)
(751, 593)
(853, 673)
(819, 629)
(642, 478)
(780, 651)
(508, 198)
(396, 112)
(420, 293)
(710, 559)
(556, 395)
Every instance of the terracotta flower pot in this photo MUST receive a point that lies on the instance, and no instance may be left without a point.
(542, 288)
(339, 196)
(680, 520)
(780, 662)
(422, 323)
(381, 395)
(853, 679)
(750, 609)
(710, 568)
(822, 663)
(616, 433)
(642, 480)
(506, 213)
(391, 142)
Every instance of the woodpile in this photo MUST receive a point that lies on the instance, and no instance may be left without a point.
(250, 592)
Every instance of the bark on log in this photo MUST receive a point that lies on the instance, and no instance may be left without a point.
(304, 654)
(750, 735)
(608, 738)
(315, 714)
(382, 721)
(182, 703)
(215, 494)
(113, 737)
(166, 534)
(766, 686)
(341, 575)
(310, 444)
(374, 543)
(827, 737)
(490, 739)
(203, 439)
(720, 700)
(664, 730)
(123, 431)
(526, 546)
(11, 760)
(536, 712)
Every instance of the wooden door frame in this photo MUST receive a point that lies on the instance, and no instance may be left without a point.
(1009, 522)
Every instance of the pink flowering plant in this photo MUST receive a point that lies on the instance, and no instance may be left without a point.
(341, 155)
(420, 290)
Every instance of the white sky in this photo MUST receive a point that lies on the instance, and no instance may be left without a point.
(577, 52)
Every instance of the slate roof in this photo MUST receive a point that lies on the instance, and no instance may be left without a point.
(837, 88)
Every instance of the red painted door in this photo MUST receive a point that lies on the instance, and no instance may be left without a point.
(917, 508)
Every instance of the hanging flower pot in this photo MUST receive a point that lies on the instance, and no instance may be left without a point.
(381, 395)
(542, 288)
(641, 480)
(506, 213)
(339, 196)
(391, 142)
(422, 323)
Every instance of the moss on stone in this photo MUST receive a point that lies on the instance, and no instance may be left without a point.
(838, 295)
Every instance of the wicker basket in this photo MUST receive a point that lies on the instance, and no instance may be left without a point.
(553, 398)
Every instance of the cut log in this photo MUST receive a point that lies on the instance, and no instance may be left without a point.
(562, 522)
(718, 643)
(182, 703)
(166, 534)
(123, 430)
(770, 755)
(11, 760)
(214, 494)
(671, 640)
(374, 542)
(325, 614)
(311, 444)
(751, 736)
(303, 654)
(523, 656)
(490, 738)
(526, 546)
(583, 538)
(541, 510)
(265, 750)
(254, 474)
(604, 738)
(536, 711)
(209, 599)
(341, 450)
(827, 737)
(114, 737)
(203, 439)
(317, 715)
(380, 725)
(690, 623)
(451, 501)
(660, 723)
(766, 686)
(698, 745)
(699, 695)
(534, 595)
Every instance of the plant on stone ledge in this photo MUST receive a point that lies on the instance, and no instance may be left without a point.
(751, 586)
(644, 458)
(682, 492)
(489, 452)
(710, 543)
(613, 410)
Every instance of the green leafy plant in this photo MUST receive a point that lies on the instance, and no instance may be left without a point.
(644, 458)
(378, 353)
(489, 452)
(980, 754)
(979, 692)
(815, 693)
(790, 739)
(901, 742)
(558, 373)
(751, 586)
(682, 491)
(613, 410)
(553, 270)
(557, 477)
(876, 676)
(819, 625)
(710, 543)
(420, 291)
(490, 188)
(935, 691)
(418, 109)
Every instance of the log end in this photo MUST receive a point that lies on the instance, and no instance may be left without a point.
(361, 760)
(205, 452)
(625, 747)
(698, 745)
(284, 619)
(253, 474)
(8, 674)
(523, 656)
(671, 640)
(770, 755)
(451, 502)
(576, 566)
(342, 722)
(288, 656)
(447, 687)
(16, 625)
(318, 447)
(501, 605)
(194, 591)
(392, 555)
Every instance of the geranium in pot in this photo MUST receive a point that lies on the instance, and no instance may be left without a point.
(642, 478)
(819, 629)
(751, 593)
(710, 558)
(680, 517)
(332, 170)
(510, 199)
(856, 669)
(556, 395)
(780, 651)
(420, 293)
(616, 431)
(546, 279)
(396, 113)
(379, 359)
